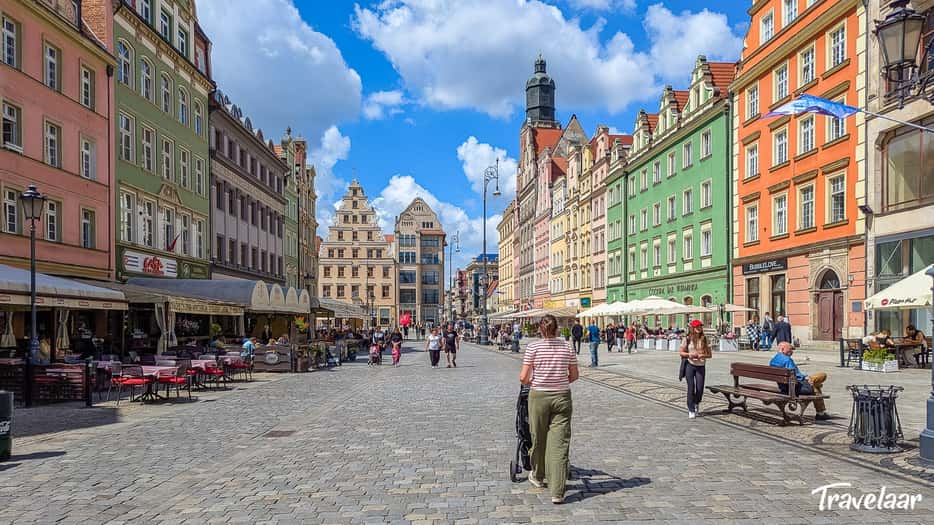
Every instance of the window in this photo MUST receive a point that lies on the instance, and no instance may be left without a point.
(53, 145)
(124, 64)
(144, 8)
(836, 127)
(199, 178)
(752, 293)
(686, 155)
(837, 204)
(688, 204)
(10, 211)
(688, 246)
(183, 42)
(643, 181)
(789, 11)
(644, 257)
(671, 165)
(88, 159)
(12, 127)
(778, 294)
(52, 72)
(168, 159)
(672, 208)
(145, 79)
(644, 222)
(806, 208)
(199, 59)
(51, 221)
(908, 170)
(706, 242)
(780, 147)
(182, 107)
(632, 186)
(805, 135)
(752, 102)
(168, 229)
(837, 42)
(183, 167)
(706, 147)
(148, 138)
(165, 26)
(656, 214)
(656, 173)
(781, 83)
(166, 94)
(87, 229)
(656, 254)
(752, 223)
(385, 290)
(10, 42)
(128, 217)
(87, 88)
(806, 63)
(126, 138)
(340, 290)
(199, 120)
(780, 215)
(671, 250)
(766, 28)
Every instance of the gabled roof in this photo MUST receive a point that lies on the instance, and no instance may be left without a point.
(723, 74)
(559, 168)
(653, 121)
(625, 140)
(681, 99)
(390, 237)
(545, 138)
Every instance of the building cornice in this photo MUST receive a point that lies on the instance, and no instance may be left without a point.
(68, 29)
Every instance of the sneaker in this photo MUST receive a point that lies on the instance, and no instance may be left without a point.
(557, 501)
(691, 415)
(536, 483)
(449, 366)
(822, 416)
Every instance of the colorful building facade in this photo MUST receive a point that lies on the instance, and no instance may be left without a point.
(506, 298)
(798, 236)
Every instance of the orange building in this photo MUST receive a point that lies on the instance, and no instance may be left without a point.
(799, 249)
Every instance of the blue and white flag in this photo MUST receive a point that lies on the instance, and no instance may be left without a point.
(811, 104)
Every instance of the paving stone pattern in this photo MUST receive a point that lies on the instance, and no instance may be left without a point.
(360, 444)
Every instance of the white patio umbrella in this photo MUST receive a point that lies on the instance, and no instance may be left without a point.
(596, 311)
(911, 292)
(652, 305)
(727, 308)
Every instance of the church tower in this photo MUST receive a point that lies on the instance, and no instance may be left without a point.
(540, 95)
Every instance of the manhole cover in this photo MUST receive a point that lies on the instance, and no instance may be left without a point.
(278, 433)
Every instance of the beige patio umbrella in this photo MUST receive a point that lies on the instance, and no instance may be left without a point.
(911, 292)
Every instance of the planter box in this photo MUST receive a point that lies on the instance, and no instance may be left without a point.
(647, 344)
(673, 345)
(661, 344)
(729, 345)
(888, 366)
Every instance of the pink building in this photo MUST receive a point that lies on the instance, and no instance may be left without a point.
(56, 101)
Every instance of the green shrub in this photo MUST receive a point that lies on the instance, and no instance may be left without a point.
(878, 355)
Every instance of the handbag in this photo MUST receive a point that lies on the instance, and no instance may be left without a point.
(683, 369)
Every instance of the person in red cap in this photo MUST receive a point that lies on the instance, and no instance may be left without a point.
(695, 351)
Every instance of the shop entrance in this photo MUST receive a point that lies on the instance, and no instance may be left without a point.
(829, 307)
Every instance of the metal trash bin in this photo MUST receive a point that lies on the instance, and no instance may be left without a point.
(874, 423)
(6, 425)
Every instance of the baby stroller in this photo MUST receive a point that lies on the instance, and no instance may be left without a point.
(522, 461)
(376, 355)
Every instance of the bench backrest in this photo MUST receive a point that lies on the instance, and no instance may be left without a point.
(764, 372)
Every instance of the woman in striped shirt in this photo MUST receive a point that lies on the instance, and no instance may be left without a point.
(549, 366)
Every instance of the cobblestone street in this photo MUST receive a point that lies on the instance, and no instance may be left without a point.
(414, 445)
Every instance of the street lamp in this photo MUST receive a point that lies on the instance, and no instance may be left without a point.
(489, 175)
(455, 248)
(927, 435)
(33, 204)
(899, 36)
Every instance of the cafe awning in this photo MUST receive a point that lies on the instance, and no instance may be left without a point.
(911, 292)
(56, 292)
(183, 303)
(340, 309)
(252, 296)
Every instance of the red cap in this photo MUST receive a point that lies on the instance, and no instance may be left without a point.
(696, 322)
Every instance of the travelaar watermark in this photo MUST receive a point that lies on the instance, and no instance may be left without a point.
(833, 497)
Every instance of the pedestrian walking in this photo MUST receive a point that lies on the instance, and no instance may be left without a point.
(753, 332)
(433, 346)
(405, 331)
(630, 336)
(782, 333)
(620, 336)
(577, 334)
(396, 340)
(609, 333)
(451, 345)
(594, 340)
(768, 326)
(516, 337)
(695, 351)
(549, 366)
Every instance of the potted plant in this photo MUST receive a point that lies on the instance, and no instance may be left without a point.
(566, 333)
(879, 360)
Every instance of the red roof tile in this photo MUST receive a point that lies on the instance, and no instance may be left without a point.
(560, 167)
(625, 140)
(681, 99)
(545, 138)
(723, 74)
(653, 121)
(390, 237)
(278, 150)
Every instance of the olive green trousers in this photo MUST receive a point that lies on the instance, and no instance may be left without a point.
(550, 423)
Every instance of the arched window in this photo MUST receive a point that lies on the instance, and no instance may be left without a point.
(145, 79)
(124, 64)
(829, 281)
(166, 94)
(706, 301)
(199, 119)
(182, 106)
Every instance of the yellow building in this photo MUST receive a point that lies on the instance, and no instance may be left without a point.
(507, 300)
(579, 165)
(559, 224)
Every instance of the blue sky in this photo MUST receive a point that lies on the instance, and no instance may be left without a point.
(416, 97)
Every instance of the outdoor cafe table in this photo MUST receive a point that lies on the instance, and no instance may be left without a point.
(154, 372)
(903, 351)
(230, 359)
(202, 363)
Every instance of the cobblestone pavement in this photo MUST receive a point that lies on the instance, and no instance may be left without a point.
(360, 444)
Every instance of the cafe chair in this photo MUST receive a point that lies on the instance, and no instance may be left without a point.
(243, 368)
(131, 376)
(180, 378)
(214, 374)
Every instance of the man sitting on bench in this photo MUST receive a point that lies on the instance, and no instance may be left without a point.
(806, 385)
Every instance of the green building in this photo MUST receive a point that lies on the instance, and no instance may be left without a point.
(161, 89)
(668, 217)
(286, 152)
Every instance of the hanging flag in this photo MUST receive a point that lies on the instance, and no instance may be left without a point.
(811, 104)
(171, 246)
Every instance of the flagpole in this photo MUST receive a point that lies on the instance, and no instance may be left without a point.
(902, 122)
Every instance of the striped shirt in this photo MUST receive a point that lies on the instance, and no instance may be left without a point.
(550, 360)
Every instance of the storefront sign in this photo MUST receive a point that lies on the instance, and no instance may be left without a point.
(676, 288)
(149, 264)
(585, 302)
(772, 265)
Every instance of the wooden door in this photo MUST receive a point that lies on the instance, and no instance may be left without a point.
(837, 315)
(825, 316)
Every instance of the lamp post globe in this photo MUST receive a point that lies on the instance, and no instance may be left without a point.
(33, 204)
(899, 35)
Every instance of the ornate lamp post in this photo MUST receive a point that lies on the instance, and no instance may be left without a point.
(489, 175)
(33, 204)
(927, 435)
(455, 248)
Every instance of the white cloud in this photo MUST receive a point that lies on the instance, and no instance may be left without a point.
(278, 68)
(453, 54)
(603, 5)
(332, 148)
(380, 103)
(678, 39)
(476, 157)
(400, 191)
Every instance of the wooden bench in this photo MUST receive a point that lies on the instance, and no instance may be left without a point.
(790, 404)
